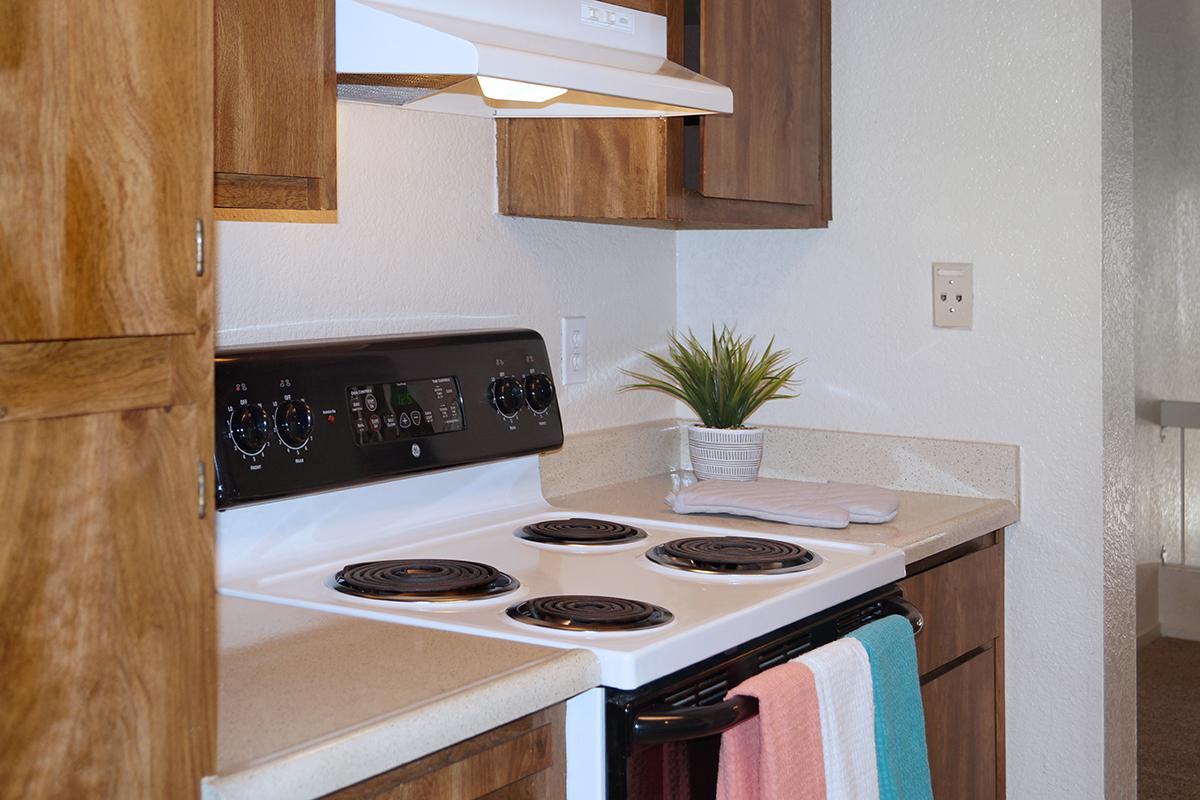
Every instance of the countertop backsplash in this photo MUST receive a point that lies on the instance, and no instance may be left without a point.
(940, 466)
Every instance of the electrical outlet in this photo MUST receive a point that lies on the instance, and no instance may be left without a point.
(574, 349)
(953, 295)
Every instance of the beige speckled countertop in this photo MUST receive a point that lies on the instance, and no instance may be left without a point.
(926, 524)
(311, 701)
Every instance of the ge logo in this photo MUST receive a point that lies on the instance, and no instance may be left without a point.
(416, 451)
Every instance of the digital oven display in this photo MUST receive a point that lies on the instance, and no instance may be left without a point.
(384, 412)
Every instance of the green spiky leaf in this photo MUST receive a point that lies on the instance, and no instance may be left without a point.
(723, 384)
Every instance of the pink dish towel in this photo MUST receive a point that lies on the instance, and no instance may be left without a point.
(776, 754)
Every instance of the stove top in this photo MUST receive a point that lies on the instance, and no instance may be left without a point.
(290, 552)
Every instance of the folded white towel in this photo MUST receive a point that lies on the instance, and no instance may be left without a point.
(846, 703)
(820, 505)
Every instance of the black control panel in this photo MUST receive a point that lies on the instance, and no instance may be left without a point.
(306, 417)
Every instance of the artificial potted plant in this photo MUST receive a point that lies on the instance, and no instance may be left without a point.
(723, 385)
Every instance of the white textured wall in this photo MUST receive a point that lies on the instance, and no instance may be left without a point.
(418, 246)
(1166, 97)
(963, 130)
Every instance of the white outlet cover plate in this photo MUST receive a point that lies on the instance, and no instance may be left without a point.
(953, 294)
(574, 349)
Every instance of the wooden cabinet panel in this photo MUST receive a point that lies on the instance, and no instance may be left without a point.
(550, 168)
(963, 604)
(89, 376)
(107, 617)
(523, 759)
(960, 729)
(101, 105)
(276, 106)
(769, 53)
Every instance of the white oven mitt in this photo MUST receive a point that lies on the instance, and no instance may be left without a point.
(818, 505)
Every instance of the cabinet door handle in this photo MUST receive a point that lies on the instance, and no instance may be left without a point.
(202, 491)
(199, 247)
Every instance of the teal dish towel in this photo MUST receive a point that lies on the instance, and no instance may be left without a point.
(900, 750)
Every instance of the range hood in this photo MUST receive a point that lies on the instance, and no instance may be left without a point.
(516, 58)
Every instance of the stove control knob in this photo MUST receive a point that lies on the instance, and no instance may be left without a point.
(508, 395)
(293, 423)
(250, 427)
(539, 392)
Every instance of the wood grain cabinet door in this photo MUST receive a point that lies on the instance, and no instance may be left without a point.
(98, 209)
(106, 607)
(960, 729)
(769, 52)
(276, 109)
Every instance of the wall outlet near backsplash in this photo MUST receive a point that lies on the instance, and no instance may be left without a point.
(574, 350)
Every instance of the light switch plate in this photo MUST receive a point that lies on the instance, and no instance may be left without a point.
(953, 295)
(574, 349)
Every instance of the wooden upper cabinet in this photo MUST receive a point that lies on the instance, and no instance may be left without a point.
(276, 110)
(764, 166)
(769, 53)
(98, 213)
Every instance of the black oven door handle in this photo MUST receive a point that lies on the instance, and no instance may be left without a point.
(898, 605)
(661, 727)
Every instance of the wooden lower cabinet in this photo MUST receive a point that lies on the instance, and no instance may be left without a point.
(960, 729)
(960, 655)
(523, 760)
(107, 616)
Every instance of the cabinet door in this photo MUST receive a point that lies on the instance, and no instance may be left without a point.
(276, 109)
(98, 209)
(960, 729)
(106, 606)
(770, 53)
(522, 760)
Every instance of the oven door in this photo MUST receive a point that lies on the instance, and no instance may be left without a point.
(665, 738)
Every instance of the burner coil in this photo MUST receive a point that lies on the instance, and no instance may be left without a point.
(423, 579)
(581, 530)
(590, 613)
(732, 555)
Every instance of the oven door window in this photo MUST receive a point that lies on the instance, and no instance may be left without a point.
(674, 771)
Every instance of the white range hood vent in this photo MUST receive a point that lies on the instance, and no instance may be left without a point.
(516, 58)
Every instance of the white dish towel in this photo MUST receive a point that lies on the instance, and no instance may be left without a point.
(846, 704)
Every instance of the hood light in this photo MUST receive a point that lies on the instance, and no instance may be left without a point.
(518, 91)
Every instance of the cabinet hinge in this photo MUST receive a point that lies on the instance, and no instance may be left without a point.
(199, 247)
(201, 490)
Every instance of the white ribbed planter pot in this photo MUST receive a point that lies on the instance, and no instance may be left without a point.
(725, 454)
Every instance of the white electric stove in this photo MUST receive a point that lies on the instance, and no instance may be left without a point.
(398, 480)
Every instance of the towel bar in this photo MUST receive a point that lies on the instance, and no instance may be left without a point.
(660, 727)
